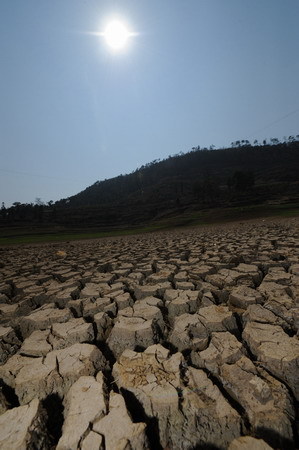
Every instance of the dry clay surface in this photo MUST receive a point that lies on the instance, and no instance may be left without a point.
(173, 340)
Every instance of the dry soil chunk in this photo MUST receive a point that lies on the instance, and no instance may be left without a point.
(278, 352)
(180, 302)
(210, 418)
(252, 270)
(23, 428)
(9, 343)
(7, 312)
(151, 290)
(271, 290)
(294, 269)
(265, 400)
(83, 404)
(200, 415)
(42, 318)
(103, 325)
(39, 377)
(123, 300)
(118, 429)
(59, 336)
(90, 290)
(132, 332)
(93, 441)
(66, 334)
(217, 318)
(224, 348)
(153, 378)
(278, 276)
(227, 278)
(201, 272)
(36, 344)
(257, 313)
(248, 443)
(93, 306)
(159, 277)
(145, 311)
(184, 285)
(188, 333)
(243, 296)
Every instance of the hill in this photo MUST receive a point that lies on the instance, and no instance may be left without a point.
(199, 179)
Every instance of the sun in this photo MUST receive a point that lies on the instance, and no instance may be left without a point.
(116, 35)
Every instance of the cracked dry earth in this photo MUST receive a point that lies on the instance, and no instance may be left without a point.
(176, 340)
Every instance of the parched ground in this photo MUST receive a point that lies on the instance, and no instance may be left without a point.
(173, 340)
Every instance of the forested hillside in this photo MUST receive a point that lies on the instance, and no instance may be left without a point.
(240, 175)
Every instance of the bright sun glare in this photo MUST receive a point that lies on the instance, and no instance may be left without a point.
(116, 35)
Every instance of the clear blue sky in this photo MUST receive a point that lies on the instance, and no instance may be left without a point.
(199, 72)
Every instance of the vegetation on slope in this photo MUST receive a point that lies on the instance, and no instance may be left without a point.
(198, 180)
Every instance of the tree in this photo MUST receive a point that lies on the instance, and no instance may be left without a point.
(3, 211)
(274, 141)
(206, 191)
(241, 181)
(38, 201)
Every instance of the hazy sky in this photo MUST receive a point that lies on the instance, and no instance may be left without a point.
(198, 72)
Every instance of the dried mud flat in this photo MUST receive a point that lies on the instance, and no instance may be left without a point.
(174, 340)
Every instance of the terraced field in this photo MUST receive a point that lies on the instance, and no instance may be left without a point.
(172, 340)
